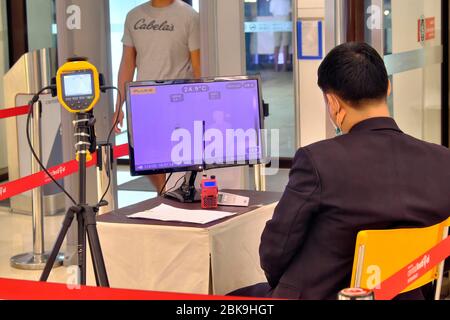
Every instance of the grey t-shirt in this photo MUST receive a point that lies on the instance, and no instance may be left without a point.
(163, 38)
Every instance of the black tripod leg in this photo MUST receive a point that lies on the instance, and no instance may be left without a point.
(57, 247)
(81, 248)
(96, 250)
(97, 280)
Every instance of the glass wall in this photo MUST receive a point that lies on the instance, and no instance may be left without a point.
(408, 33)
(269, 52)
(415, 64)
(412, 45)
(41, 21)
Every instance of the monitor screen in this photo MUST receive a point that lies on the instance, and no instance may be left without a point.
(194, 125)
(79, 84)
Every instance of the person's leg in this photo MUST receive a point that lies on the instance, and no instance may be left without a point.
(286, 58)
(157, 181)
(276, 55)
(286, 42)
(260, 290)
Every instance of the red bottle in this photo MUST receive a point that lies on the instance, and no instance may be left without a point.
(210, 193)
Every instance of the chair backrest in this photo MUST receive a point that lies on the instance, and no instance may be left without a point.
(447, 223)
(380, 254)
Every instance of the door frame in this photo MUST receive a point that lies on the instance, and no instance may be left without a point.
(445, 75)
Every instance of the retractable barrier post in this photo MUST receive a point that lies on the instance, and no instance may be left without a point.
(38, 258)
(105, 161)
(260, 178)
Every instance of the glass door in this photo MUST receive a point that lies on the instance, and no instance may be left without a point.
(269, 48)
(413, 46)
(408, 33)
(269, 52)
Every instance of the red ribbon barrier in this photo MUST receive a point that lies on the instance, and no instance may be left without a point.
(401, 280)
(27, 290)
(13, 112)
(14, 188)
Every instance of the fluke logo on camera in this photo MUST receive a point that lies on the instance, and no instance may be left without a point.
(143, 90)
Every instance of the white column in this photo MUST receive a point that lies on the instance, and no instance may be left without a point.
(223, 41)
(84, 30)
(311, 115)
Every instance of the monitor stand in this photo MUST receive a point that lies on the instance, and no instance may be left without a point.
(187, 193)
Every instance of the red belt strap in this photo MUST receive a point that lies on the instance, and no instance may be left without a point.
(14, 188)
(13, 112)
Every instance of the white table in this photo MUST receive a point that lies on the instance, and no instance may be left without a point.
(174, 257)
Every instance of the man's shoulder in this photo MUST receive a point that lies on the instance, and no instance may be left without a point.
(430, 147)
(179, 6)
(325, 145)
(340, 146)
(138, 9)
(321, 149)
(185, 8)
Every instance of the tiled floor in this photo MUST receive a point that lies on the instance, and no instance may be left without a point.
(16, 235)
(16, 238)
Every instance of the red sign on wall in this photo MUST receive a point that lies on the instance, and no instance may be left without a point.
(427, 29)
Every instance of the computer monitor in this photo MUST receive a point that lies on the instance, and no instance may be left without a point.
(194, 125)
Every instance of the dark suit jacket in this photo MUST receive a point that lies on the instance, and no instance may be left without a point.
(375, 177)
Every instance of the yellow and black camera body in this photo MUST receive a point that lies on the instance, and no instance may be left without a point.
(78, 86)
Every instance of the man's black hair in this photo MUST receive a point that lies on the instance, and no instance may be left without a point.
(355, 72)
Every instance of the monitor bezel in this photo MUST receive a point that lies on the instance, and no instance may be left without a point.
(196, 168)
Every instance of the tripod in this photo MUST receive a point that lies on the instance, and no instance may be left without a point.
(86, 215)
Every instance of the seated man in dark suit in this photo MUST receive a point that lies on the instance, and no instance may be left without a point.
(372, 177)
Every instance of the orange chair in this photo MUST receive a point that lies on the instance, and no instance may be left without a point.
(446, 227)
(379, 254)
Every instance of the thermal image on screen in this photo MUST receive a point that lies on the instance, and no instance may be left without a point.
(78, 85)
(199, 123)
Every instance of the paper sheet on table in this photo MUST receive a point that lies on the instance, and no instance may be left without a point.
(164, 212)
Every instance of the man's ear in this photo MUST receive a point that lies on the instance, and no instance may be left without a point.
(333, 103)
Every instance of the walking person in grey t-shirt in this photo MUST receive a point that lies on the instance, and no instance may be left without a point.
(162, 41)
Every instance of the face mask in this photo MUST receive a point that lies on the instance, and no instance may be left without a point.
(337, 130)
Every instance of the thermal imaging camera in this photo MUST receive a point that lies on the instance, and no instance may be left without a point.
(78, 85)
